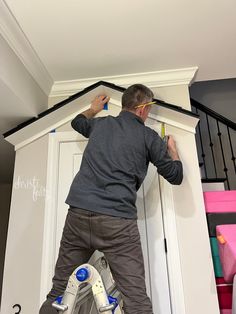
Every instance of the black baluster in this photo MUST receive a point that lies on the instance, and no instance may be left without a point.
(211, 145)
(231, 148)
(203, 155)
(223, 156)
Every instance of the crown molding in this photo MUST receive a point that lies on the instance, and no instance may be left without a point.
(182, 76)
(18, 42)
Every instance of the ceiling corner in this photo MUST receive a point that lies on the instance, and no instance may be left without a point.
(18, 42)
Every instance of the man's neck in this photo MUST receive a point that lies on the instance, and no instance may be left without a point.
(132, 111)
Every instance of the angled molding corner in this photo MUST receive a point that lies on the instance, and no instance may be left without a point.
(182, 76)
(18, 42)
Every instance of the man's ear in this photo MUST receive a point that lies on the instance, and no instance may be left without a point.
(139, 111)
(143, 110)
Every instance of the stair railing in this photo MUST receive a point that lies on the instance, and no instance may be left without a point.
(216, 145)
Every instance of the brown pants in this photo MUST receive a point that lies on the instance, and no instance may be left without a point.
(119, 240)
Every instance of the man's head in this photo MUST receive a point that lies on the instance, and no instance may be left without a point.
(134, 97)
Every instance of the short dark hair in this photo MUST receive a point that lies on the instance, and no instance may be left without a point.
(135, 95)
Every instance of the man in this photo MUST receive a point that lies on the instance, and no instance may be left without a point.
(102, 213)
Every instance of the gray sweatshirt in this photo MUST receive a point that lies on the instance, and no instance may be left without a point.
(115, 163)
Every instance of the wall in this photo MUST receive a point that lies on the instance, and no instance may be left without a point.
(219, 95)
(18, 79)
(21, 99)
(25, 231)
(5, 198)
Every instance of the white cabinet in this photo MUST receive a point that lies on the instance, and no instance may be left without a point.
(44, 168)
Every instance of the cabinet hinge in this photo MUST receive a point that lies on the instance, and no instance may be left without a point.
(165, 245)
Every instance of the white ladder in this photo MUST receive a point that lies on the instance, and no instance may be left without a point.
(86, 293)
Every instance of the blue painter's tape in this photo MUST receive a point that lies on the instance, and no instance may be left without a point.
(105, 107)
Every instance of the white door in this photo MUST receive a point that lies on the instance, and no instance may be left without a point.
(149, 220)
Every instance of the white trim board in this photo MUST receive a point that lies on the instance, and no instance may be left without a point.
(49, 239)
(173, 253)
(153, 79)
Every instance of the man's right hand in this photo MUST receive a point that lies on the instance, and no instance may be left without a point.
(96, 106)
(98, 103)
(172, 149)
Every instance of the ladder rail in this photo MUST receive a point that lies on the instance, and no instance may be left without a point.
(86, 283)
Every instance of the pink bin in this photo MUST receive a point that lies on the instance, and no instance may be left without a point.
(226, 236)
(220, 201)
(226, 311)
(225, 293)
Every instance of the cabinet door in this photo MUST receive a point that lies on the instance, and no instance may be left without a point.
(149, 220)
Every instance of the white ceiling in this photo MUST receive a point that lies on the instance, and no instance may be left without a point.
(80, 39)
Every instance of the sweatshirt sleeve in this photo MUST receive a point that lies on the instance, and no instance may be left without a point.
(171, 170)
(82, 125)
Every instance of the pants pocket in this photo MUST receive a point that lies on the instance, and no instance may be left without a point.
(134, 231)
